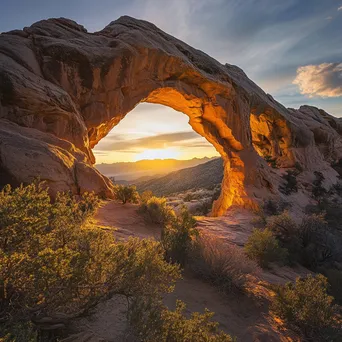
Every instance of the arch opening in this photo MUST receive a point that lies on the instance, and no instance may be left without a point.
(152, 131)
(150, 144)
(211, 119)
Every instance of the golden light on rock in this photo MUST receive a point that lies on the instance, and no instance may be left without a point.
(72, 97)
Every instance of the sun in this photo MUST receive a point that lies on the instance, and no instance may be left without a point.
(167, 153)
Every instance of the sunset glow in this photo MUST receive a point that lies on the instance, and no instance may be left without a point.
(152, 131)
(167, 153)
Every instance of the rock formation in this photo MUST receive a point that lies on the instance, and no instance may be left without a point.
(63, 89)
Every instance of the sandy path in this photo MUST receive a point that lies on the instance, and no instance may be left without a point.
(239, 315)
(125, 220)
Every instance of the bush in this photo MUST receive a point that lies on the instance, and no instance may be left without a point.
(290, 185)
(318, 191)
(146, 196)
(306, 306)
(264, 248)
(126, 193)
(153, 322)
(225, 266)
(335, 282)
(177, 236)
(318, 245)
(54, 266)
(271, 207)
(157, 211)
(286, 230)
(268, 208)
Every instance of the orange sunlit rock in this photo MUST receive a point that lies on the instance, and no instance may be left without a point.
(63, 89)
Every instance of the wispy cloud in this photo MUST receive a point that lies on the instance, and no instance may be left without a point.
(340, 8)
(324, 80)
(154, 142)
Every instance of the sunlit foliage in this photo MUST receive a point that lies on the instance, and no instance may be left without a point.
(53, 263)
(306, 306)
(154, 322)
(126, 193)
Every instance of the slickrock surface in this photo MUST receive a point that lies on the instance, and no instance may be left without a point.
(63, 89)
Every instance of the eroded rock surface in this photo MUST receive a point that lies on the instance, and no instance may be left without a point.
(63, 89)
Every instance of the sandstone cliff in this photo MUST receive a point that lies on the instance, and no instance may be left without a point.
(63, 89)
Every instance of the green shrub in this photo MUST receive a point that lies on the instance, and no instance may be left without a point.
(290, 186)
(153, 322)
(146, 196)
(264, 248)
(287, 232)
(52, 262)
(268, 208)
(306, 306)
(177, 236)
(271, 207)
(318, 191)
(125, 193)
(319, 246)
(157, 211)
(223, 265)
(335, 281)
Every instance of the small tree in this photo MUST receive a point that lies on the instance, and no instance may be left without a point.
(318, 191)
(287, 232)
(264, 248)
(154, 322)
(126, 194)
(318, 245)
(146, 196)
(307, 306)
(177, 236)
(290, 185)
(157, 211)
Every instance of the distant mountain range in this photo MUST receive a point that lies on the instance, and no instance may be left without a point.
(201, 176)
(145, 169)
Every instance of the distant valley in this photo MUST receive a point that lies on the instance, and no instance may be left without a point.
(142, 170)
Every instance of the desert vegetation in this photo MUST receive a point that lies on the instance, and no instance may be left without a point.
(223, 265)
(126, 193)
(264, 248)
(56, 266)
(308, 306)
(309, 309)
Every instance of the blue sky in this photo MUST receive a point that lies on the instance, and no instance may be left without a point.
(292, 48)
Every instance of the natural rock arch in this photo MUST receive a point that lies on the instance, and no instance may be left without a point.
(63, 89)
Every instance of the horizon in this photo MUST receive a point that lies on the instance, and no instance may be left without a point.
(158, 159)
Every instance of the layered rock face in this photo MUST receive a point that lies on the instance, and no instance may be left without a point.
(63, 89)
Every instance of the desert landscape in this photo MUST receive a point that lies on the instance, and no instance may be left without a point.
(120, 224)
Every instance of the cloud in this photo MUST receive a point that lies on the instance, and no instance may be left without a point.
(152, 142)
(340, 8)
(323, 80)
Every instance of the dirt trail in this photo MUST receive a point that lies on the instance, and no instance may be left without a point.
(125, 220)
(240, 315)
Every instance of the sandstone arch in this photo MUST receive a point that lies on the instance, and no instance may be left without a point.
(63, 89)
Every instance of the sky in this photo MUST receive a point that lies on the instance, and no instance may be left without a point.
(292, 49)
